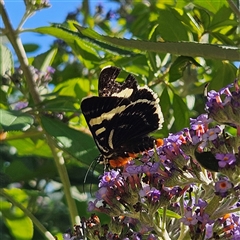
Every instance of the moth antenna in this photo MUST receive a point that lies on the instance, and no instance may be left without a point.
(86, 175)
(205, 92)
(94, 166)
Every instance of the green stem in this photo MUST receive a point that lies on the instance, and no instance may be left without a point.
(38, 224)
(163, 227)
(183, 228)
(62, 171)
(164, 214)
(26, 15)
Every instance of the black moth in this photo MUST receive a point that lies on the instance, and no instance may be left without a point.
(121, 117)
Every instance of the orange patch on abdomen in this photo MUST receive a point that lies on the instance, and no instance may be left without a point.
(119, 162)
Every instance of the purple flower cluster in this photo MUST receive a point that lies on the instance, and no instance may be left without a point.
(40, 77)
(193, 179)
(223, 106)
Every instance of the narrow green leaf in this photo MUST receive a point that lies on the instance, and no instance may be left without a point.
(222, 18)
(85, 53)
(152, 61)
(15, 120)
(220, 25)
(169, 213)
(222, 38)
(193, 49)
(70, 37)
(44, 60)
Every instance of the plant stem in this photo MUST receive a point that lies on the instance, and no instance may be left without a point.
(62, 171)
(20, 52)
(26, 15)
(38, 224)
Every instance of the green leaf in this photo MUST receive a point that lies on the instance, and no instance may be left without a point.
(21, 229)
(169, 214)
(170, 27)
(153, 61)
(4, 180)
(66, 33)
(76, 87)
(222, 18)
(181, 113)
(76, 143)
(30, 169)
(179, 48)
(225, 73)
(61, 104)
(31, 47)
(30, 147)
(203, 17)
(84, 50)
(209, 5)
(44, 60)
(165, 104)
(87, 51)
(6, 60)
(15, 120)
(140, 13)
(219, 26)
(222, 38)
(179, 65)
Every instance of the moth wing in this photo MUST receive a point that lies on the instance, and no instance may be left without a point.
(98, 112)
(133, 124)
(107, 86)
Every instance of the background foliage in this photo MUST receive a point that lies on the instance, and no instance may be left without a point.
(174, 47)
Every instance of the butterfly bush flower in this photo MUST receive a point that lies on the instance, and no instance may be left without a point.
(189, 218)
(225, 159)
(223, 186)
(188, 188)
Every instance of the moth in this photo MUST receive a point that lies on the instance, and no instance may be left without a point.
(122, 117)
